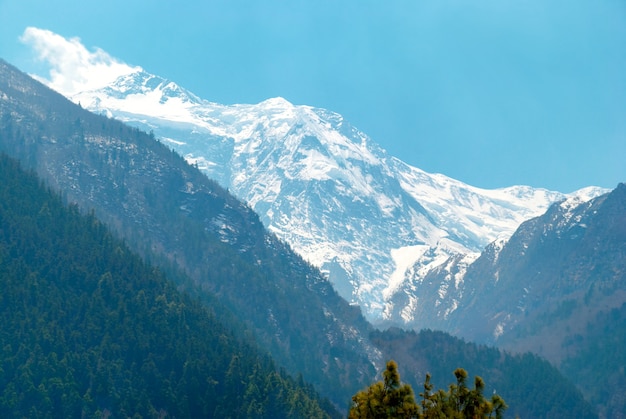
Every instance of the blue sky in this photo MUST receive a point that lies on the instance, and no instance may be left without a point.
(490, 92)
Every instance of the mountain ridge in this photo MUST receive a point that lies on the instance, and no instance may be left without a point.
(162, 206)
(149, 195)
(369, 220)
(91, 330)
(557, 288)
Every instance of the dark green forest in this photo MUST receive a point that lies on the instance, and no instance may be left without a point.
(90, 330)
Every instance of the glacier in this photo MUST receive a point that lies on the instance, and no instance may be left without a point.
(372, 222)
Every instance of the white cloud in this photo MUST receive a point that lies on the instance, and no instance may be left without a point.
(73, 68)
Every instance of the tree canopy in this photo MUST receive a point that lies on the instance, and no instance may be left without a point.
(391, 398)
(89, 329)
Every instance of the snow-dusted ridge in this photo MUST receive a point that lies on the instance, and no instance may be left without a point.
(368, 219)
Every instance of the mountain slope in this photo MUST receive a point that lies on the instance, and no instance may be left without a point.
(530, 385)
(573, 249)
(326, 188)
(166, 209)
(162, 206)
(90, 330)
(557, 288)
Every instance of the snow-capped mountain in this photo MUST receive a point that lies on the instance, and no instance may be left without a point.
(373, 222)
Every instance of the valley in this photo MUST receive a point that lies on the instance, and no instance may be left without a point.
(475, 262)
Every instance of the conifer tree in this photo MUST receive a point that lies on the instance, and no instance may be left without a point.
(392, 399)
(388, 399)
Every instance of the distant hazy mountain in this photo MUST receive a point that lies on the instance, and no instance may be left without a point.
(557, 288)
(375, 224)
(573, 254)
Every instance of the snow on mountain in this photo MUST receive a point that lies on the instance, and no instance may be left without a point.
(370, 220)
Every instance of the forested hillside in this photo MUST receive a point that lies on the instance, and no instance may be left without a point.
(167, 210)
(601, 359)
(90, 330)
(531, 386)
(171, 215)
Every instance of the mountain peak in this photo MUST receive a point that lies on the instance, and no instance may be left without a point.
(276, 102)
(370, 221)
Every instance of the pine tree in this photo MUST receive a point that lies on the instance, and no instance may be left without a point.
(388, 399)
(392, 399)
